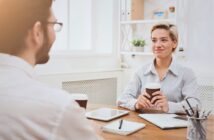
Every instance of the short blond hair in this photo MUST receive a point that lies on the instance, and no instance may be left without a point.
(173, 32)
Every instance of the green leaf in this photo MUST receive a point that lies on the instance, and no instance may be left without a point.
(138, 42)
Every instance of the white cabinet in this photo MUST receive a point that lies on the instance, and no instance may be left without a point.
(138, 16)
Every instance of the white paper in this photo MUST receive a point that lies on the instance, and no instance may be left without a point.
(128, 127)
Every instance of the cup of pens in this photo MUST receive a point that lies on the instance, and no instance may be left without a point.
(196, 128)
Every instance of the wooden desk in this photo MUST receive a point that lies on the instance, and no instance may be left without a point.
(150, 132)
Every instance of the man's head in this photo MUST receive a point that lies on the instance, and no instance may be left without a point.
(26, 29)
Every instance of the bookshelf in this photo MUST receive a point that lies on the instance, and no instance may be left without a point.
(136, 19)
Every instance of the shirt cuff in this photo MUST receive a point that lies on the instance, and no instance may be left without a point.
(130, 104)
(175, 107)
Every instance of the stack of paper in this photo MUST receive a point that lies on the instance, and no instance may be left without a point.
(127, 127)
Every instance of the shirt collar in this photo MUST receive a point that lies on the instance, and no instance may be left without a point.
(172, 68)
(17, 62)
(150, 68)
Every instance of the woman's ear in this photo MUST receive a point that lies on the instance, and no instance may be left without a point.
(175, 43)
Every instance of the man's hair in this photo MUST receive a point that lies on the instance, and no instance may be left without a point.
(16, 18)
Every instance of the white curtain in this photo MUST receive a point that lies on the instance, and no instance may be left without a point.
(195, 20)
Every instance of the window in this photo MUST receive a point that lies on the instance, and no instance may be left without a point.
(88, 26)
(80, 26)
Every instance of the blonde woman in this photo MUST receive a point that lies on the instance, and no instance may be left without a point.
(177, 82)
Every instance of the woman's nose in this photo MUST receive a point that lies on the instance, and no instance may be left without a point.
(157, 43)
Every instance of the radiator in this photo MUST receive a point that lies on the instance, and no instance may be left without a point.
(99, 91)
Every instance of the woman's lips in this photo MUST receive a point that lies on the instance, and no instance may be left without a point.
(158, 51)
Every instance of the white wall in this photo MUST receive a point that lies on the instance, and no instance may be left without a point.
(199, 19)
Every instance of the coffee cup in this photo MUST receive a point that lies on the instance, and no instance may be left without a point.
(81, 99)
(151, 88)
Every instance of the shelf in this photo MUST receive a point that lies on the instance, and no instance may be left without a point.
(180, 54)
(136, 53)
(177, 54)
(147, 21)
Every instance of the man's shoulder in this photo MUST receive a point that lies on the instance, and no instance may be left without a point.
(48, 94)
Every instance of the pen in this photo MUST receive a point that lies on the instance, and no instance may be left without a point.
(190, 106)
(121, 123)
(186, 111)
(208, 113)
(202, 114)
(197, 112)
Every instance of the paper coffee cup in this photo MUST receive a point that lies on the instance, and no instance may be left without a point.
(81, 99)
(151, 88)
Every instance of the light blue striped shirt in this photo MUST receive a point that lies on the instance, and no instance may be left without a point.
(178, 84)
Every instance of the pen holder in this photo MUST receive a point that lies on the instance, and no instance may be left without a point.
(196, 129)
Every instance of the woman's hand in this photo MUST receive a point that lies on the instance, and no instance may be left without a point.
(160, 101)
(143, 102)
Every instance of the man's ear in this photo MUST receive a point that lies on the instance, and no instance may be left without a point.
(37, 34)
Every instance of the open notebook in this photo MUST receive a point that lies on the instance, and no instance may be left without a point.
(127, 128)
(165, 121)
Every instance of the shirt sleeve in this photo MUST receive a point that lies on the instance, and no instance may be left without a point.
(73, 125)
(189, 89)
(130, 94)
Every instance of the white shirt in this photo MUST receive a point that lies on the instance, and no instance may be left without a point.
(178, 84)
(30, 110)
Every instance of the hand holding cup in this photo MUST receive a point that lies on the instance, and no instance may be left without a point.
(150, 89)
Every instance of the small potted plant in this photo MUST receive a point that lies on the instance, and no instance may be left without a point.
(138, 44)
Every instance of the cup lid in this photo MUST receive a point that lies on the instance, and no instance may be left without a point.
(79, 96)
(153, 85)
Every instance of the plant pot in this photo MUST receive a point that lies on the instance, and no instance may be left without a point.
(138, 49)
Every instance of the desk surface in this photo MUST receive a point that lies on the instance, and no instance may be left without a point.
(150, 132)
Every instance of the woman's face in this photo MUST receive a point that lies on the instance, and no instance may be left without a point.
(162, 44)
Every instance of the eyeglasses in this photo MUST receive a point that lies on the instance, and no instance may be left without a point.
(56, 25)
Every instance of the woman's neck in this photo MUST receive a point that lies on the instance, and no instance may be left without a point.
(163, 63)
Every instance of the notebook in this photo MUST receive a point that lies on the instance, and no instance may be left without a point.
(128, 127)
(106, 114)
(165, 121)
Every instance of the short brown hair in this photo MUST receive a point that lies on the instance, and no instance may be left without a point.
(16, 18)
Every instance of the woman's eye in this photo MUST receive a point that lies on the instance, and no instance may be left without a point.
(164, 40)
(154, 41)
